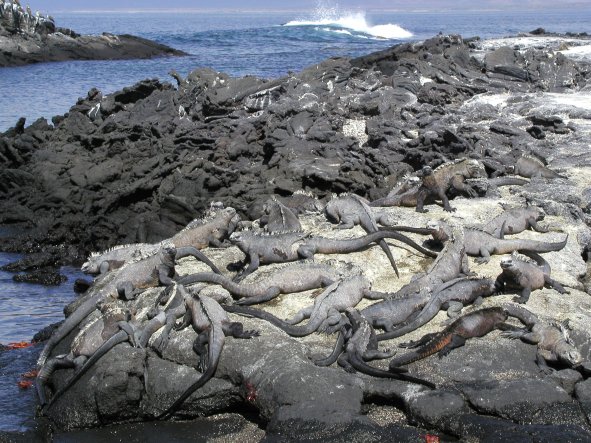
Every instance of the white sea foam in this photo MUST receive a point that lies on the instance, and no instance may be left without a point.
(351, 21)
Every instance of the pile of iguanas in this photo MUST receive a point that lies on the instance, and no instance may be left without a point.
(104, 320)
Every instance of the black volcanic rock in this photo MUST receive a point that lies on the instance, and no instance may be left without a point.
(26, 38)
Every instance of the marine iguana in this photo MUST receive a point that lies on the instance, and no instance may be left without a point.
(528, 166)
(453, 296)
(324, 315)
(449, 264)
(279, 218)
(405, 193)
(200, 233)
(361, 346)
(521, 273)
(295, 277)
(482, 244)
(149, 272)
(349, 210)
(301, 202)
(88, 346)
(552, 339)
(212, 325)
(516, 220)
(474, 324)
(292, 246)
(436, 182)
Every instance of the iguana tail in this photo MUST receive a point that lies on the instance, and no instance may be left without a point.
(216, 344)
(186, 251)
(119, 337)
(397, 373)
(294, 331)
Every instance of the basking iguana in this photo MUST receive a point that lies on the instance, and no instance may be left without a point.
(449, 264)
(474, 324)
(405, 193)
(528, 166)
(516, 220)
(123, 282)
(361, 346)
(198, 234)
(212, 324)
(453, 296)
(279, 218)
(292, 246)
(288, 279)
(349, 210)
(436, 182)
(482, 244)
(325, 314)
(526, 275)
(88, 346)
(552, 339)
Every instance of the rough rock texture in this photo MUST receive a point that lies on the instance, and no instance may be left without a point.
(26, 38)
(139, 163)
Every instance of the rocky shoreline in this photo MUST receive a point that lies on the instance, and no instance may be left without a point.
(139, 164)
(27, 38)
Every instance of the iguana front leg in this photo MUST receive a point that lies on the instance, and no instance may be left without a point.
(484, 256)
(532, 222)
(524, 296)
(445, 201)
(374, 295)
(457, 182)
(421, 200)
(253, 264)
(542, 364)
(300, 316)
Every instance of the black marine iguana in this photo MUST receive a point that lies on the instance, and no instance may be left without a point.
(325, 314)
(111, 328)
(149, 272)
(212, 325)
(436, 182)
(292, 246)
(349, 210)
(474, 324)
(361, 346)
(198, 234)
(288, 279)
(453, 296)
(552, 339)
(522, 274)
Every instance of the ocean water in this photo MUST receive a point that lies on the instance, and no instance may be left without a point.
(263, 44)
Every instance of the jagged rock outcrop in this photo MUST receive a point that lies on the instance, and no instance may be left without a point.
(32, 38)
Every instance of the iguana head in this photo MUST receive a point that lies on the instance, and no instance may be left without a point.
(438, 230)
(568, 354)
(425, 171)
(507, 262)
(475, 168)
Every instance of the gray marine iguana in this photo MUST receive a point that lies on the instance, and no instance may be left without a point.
(91, 343)
(149, 272)
(552, 339)
(436, 182)
(324, 314)
(453, 296)
(523, 274)
(349, 210)
(357, 344)
(279, 218)
(482, 244)
(450, 263)
(198, 234)
(474, 324)
(516, 220)
(212, 325)
(292, 246)
(296, 277)
(528, 166)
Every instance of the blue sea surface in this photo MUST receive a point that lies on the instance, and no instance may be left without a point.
(265, 44)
